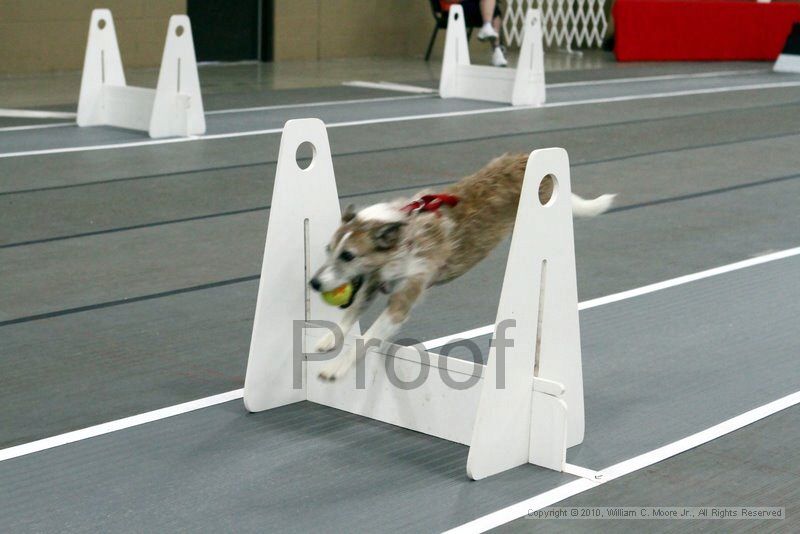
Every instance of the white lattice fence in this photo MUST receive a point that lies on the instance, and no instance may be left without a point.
(566, 23)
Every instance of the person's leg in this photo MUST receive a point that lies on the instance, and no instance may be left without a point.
(487, 10)
(498, 55)
(488, 31)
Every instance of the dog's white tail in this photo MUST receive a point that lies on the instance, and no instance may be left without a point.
(590, 208)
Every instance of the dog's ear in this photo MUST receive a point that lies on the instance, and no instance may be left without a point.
(349, 214)
(387, 236)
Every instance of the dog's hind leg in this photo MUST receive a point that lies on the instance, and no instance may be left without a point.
(385, 326)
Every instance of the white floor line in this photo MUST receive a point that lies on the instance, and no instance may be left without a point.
(610, 81)
(542, 500)
(631, 293)
(36, 126)
(583, 472)
(670, 94)
(548, 498)
(661, 77)
(390, 86)
(403, 118)
(695, 440)
(316, 104)
(247, 110)
(36, 114)
(113, 426)
(119, 424)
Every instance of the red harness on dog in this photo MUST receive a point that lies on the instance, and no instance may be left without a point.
(430, 203)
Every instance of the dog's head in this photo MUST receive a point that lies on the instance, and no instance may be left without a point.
(363, 243)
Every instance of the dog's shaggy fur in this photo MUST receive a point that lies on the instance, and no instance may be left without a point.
(384, 248)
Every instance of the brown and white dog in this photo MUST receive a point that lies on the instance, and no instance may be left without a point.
(405, 246)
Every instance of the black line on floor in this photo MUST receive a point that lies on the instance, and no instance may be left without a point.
(134, 227)
(232, 281)
(203, 217)
(390, 149)
(139, 177)
(130, 300)
(367, 193)
(701, 194)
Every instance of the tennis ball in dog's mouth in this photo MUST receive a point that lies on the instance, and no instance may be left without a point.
(339, 296)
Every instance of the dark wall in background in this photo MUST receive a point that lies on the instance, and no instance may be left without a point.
(267, 30)
(228, 30)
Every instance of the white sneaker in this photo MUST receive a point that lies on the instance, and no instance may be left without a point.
(498, 57)
(486, 33)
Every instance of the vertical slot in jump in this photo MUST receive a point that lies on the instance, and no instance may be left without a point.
(542, 283)
(548, 190)
(307, 269)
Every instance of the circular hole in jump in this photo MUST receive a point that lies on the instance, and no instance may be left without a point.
(305, 155)
(101, 23)
(548, 190)
(179, 31)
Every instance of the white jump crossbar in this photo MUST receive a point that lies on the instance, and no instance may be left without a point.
(523, 86)
(524, 406)
(173, 108)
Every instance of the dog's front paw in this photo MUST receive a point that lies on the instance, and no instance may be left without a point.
(326, 343)
(337, 367)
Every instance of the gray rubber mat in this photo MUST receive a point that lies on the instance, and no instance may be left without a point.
(650, 87)
(152, 260)
(609, 69)
(232, 122)
(62, 169)
(301, 468)
(220, 93)
(754, 466)
(666, 365)
(125, 326)
(275, 118)
(258, 97)
(656, 368)
(130, 285)
(616, 70)
(16, 122)
(150, 199)
(250, 93)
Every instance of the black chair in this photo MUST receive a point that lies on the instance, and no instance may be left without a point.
(440, 16)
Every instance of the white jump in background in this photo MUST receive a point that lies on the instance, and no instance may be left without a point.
(173, 108)
(523, 86)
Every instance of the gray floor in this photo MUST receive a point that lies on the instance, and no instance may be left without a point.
(737, 470)
(234, 121)
(122, 292)
(253, 470)
(645, 391)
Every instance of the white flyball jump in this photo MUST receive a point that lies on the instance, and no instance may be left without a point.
(173, 108)
(789, 58)
(523, 86)
(524, 406)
